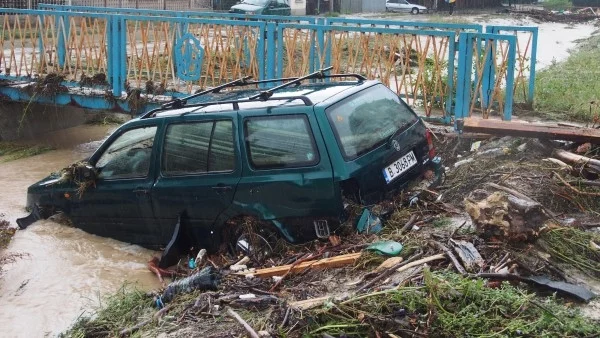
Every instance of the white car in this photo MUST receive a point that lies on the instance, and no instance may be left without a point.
(404, 6)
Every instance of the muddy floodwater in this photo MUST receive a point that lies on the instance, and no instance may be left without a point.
(63, 270)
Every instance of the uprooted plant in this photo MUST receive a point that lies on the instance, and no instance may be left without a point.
(82, 174)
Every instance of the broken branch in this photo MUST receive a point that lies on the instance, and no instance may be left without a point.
(245, 324)
(158, 314)
(421, 261)
(586, 193)
(387, 273)
(450, 255)
(578, 159)
(409, 224)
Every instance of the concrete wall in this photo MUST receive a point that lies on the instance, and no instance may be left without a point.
(350, 6)
(362, 6)
(373, 6)
(14, 124)
(298, 7)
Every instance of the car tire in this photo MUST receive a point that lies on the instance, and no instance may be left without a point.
(414, 11)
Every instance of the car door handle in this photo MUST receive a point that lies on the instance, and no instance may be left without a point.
(222, 188)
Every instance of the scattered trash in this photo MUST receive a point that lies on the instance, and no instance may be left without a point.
(205, 279)
(388, 248)
(200, 257)
(569, 289)
(368, 223)
(468, 254)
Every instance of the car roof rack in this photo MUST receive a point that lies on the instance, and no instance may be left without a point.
(264, 95)
(235, 103)
(320, 74)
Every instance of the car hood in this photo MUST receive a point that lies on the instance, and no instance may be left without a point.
(243, 8)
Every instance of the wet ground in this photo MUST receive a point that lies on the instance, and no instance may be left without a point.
(63, 270)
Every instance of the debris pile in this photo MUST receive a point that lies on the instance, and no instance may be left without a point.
(508, 245)
(564, 16)
(6, 233)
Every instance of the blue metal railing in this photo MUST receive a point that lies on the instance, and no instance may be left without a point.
(526, 55)
(451, 51)
(404, 24)
(478, 50)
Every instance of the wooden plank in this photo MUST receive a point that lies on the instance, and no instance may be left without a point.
(506, 128)
(332, 262)
(388, 263)
(308, 304)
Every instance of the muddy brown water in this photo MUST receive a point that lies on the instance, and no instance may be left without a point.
(64, 271)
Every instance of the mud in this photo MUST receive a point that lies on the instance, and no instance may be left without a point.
(63, 271)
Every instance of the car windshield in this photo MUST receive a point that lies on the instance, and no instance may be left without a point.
(367, 119)
(256, 2)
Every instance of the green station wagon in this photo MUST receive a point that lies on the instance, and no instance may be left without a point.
(289, 157)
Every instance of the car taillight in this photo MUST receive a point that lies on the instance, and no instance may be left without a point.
(429, 137)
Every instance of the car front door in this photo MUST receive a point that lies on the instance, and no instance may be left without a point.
(119, 204)
(404, 6)
(392, 5)
(199, 173)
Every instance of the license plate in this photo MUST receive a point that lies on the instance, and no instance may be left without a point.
(396, 169)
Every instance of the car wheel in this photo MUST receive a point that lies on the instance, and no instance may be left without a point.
(415, 11)
(254, 246)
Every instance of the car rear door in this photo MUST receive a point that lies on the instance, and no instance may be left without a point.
(287, 171)
(199, 172)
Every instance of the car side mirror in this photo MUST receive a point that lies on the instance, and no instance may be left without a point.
(85, 173)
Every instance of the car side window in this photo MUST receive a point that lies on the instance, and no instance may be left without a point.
(198, 147)
(129, 155)
(280, 142)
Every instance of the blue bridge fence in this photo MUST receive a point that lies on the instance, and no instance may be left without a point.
(98, 57)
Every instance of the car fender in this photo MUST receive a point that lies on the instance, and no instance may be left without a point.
(256, 210)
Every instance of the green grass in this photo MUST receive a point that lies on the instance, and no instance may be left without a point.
(557, 4)
(443, 17)
(10, 151)
(564, 90)
(442, 222)
(121, 310)
(447, 305)
(573, 246)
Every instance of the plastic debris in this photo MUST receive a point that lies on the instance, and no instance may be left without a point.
(368, 223)
(389, 248)
(206, 279)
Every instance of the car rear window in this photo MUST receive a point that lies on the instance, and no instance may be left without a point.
(367, 119)
(198, 147)
(284, 141)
